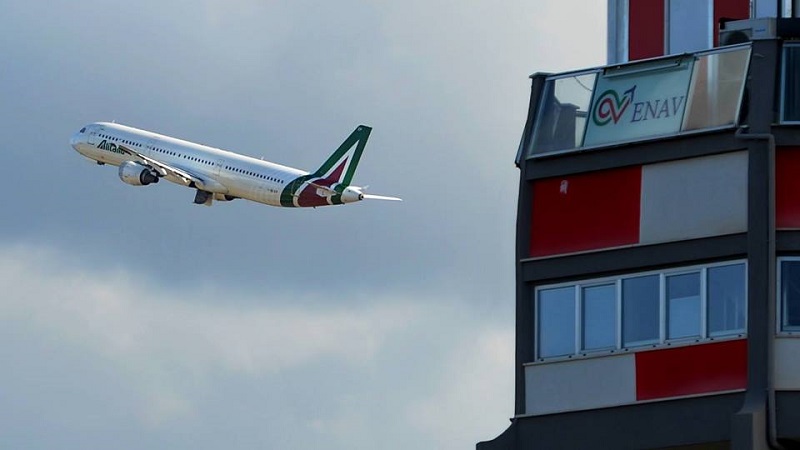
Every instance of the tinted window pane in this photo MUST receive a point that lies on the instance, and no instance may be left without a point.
(640, 310)
(562, 116)
(791, 83)
(556, 322)
(599, 317)
(683, 305)
(726, 294)
(716, 89)
(790, 294)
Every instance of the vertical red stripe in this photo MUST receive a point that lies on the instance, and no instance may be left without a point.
(645, 29)
(787, 187)
(732, 9)
(585, 212)
(694, 369)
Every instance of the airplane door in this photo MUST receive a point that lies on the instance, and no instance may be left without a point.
(218, 166)
(92, 137)
(149, 148)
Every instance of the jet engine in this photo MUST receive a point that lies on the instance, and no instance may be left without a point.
(137, 174)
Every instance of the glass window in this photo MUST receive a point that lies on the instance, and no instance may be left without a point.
(556, 322)
(663, 96)
(653, 308)
(599, 325)
(562, 113)
(726, 294)
(683, 305)
(640, 310)
(716, 89)
(790, 295)
(791, 83)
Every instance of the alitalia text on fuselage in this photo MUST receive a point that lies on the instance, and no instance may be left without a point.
(144, 157)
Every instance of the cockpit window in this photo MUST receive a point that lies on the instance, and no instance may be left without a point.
(83, 129)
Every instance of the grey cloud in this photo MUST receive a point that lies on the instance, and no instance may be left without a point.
(444, 84)
(291, 97)
(95, 363)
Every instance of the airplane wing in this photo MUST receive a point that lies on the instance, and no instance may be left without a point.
(164, 169)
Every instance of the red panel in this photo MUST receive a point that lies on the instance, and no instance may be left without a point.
(787, 187)
(585, 212)
(694, 369)
(732, 9)
(645, 29)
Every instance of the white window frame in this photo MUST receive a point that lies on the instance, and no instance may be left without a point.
(702, 303)
(662, 341)
(575, 296)
(579, 323)
(660, 338)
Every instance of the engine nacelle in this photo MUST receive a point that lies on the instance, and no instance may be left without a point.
(136, 174)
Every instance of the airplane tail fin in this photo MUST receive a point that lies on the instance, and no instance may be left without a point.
(341, 165)
(337, 170)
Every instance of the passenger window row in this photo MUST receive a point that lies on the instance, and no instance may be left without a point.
(253, 174)
(192, 158)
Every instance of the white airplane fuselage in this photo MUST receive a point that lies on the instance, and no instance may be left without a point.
(143, 157)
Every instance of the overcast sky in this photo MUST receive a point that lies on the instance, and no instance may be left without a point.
(131, 318)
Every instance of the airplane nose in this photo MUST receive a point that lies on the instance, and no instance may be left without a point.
(75, 140)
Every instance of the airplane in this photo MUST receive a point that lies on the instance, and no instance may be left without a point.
(145, 157)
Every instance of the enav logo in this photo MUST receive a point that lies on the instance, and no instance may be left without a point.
(610, 106)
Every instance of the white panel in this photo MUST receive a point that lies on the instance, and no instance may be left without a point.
(765, 8)
(787, 364)
(580, 384)
(690, 25)
(694, 198)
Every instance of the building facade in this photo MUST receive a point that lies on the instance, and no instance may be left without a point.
(658, 242)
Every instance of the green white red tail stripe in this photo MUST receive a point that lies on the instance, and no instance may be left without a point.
(325, 185)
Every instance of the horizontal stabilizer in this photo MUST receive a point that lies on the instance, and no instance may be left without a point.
(381, 197)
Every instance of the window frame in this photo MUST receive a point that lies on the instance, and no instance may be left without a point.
(659, 306)
(578, 287)
(581, 305)
(722, 334)
(576, 316)
(779, 309)
(782, 114)
(702, 304)
(541, 108)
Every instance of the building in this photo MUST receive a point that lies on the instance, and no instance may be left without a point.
(658, 237)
